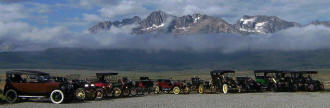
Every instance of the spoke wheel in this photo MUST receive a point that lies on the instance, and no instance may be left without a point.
(200, 89)
(176, 90)
(117, 92)
(156, 89)
(133, 92)
(99, 94)
(80, 94)
(11, 96)
(186, 90)
(57, 96)
(225, 88)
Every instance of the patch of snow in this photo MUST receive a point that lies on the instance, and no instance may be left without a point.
(182, 28)
(197, 19)
(259, 27)
(247, 21)
(154, 26)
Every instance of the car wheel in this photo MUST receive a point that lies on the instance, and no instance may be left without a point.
(200, 89)
(116, 92)
(311, 87)
(99, 94)
(239, 89)
(186, 90)
(295, 87)
(176, 90)
(156, 89)
(11, 96)
(57, 96)
(133, 92)
(80, 94)
(274, 88)
(225, 88)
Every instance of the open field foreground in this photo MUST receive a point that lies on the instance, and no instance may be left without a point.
(245, 100)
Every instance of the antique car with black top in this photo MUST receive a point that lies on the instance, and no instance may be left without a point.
(25, 84)
(222, 81)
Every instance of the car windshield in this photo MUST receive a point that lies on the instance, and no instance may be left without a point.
(110, 78)
(229, 74)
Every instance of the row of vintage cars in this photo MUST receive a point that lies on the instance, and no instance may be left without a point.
(22, 85)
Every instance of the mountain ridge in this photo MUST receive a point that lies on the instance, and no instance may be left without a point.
(162, 22)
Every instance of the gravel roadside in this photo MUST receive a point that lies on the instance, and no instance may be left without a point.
(244, 100)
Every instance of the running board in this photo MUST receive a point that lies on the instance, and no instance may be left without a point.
(31, 96)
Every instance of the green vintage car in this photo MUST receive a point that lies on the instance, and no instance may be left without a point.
(268, 79)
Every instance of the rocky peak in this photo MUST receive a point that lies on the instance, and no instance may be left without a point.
(263, 24)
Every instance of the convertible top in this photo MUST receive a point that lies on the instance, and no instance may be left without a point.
(267, 71)
(26, 72)
(303, 72)
(109, 73)
(221, 71)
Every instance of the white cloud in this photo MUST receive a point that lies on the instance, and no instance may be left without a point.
(11, 12)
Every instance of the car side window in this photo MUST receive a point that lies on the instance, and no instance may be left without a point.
(32, 79)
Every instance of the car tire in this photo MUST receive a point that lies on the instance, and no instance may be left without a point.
(239, 89)
(156, 89)
(11, 96)
(57, 96)
(200, 89)
(225, 88)
(186, 90)
(176, 90)
(117, 92)
(80, 94)
(311, 87)
(295, 87)
(99, 94)
(133, 92)
(274, 88)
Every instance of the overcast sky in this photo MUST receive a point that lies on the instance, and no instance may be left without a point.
(78, 15)
(38, 24)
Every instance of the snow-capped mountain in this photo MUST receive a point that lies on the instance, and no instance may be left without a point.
(105, 26)
(263, 24)
(159, 21)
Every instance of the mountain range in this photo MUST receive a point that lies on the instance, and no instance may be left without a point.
(161, 22)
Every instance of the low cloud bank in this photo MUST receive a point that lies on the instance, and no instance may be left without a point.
(24, 38)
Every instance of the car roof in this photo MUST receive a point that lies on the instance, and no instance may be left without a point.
(26, 72)
(222, 71)
(267, 71)
(108, 73)
(303, 72)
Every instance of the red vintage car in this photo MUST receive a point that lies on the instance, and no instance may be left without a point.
(144, 85)
(168, 86)
(25, 84)
(108, 85)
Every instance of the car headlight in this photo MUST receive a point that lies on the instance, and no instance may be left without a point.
(86, 85)
(92, 85)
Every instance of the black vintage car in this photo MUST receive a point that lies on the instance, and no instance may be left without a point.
(247, 84)
(25, 84)
(303, 81)
(272, 80)
(222, 81)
